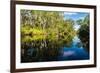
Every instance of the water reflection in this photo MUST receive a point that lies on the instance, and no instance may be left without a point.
(48, 48)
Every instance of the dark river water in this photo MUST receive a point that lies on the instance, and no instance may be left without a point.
(75, 52)
(45, 50)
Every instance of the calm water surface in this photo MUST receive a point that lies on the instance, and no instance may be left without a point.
(56, 50)
(75, 52)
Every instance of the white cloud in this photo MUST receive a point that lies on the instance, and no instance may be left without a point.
(81, 17)
(76, 27)
(70, 13)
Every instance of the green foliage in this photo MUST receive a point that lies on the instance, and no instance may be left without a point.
(37, 25)
(79, 22)
(84, 32)
(45, 32)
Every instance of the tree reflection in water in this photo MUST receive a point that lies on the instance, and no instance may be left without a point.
(43, 48)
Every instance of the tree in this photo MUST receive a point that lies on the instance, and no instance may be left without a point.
(79, 22)
(52, 23)
(84, 32)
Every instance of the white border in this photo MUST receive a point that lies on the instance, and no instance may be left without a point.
(56, 63)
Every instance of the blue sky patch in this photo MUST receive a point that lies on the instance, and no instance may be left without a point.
(75, 15)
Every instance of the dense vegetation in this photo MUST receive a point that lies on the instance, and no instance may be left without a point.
(44, 23)
(43, 33)
(83, 32)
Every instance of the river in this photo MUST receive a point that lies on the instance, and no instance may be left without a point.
(55, 50)
(75, 52)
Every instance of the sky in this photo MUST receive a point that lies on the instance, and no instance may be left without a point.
(75, 16)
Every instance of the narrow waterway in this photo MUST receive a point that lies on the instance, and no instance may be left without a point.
(75, 51)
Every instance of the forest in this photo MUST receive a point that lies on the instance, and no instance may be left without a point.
(43, 33)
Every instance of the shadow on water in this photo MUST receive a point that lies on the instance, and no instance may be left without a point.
(48, 48)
